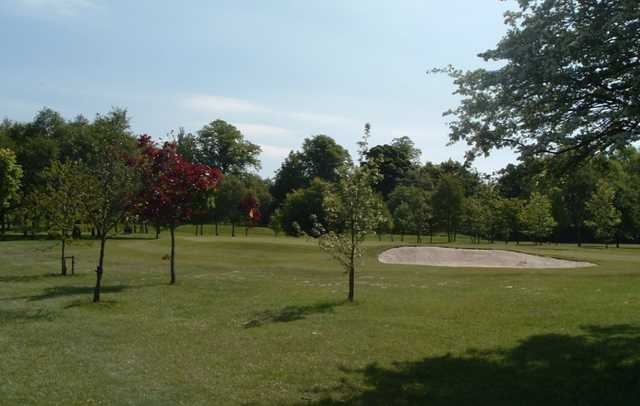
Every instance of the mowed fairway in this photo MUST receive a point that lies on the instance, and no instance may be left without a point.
(261, 320)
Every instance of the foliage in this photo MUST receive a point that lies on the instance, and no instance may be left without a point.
(604, 217)
(301, 204)
(173, 189)
(418, 202)
(447, 203)
(10, 178)
(221, 145)
(567, 81)
(354, 211)
(536, 217)
(62, 202)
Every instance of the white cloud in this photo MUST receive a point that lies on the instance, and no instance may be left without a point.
(262, 131)
(273, 151)
(61, 8)
(220, 104)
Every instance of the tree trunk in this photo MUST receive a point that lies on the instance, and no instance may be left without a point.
(579, 236)
(233, 229)
(99, 270)
(173, 254)
(2, 221)
(402, 237)
(63, 264)
(216, 226)
(352, 267)
(157, 232)
(352, 280)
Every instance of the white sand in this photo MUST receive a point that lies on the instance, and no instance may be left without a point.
(472, 258)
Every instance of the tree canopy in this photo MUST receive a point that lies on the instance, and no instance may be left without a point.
(567, 81)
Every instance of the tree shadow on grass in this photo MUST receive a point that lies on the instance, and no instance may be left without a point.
(291, 313)
(599, 367)
(64, 291)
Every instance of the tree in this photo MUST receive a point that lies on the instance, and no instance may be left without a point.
(403, 219)
(221, 145)
(394, 162)
(511, 212)
(604, 216)
(447, 203)
(10, 177)
(173, 188)
(474, 215)
(231, 191)
(355, 208)
(63, 201)
(112, 182)
(291, 176)
(567, 81)
(301, 204)
(321, 157)
(275, 223)
(536, 217)
(419, 203)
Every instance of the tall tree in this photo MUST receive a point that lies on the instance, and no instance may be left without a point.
(173, 188)
(323, 157)
(355, 207)
(567, 81)
(419, 203)
(221, 145)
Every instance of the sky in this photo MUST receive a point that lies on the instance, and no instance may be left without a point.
(279, 70)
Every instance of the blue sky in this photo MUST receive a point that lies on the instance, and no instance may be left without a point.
(279, 70)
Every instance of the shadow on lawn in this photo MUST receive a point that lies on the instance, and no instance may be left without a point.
(599, 367)
(63, 291)
(291, 313)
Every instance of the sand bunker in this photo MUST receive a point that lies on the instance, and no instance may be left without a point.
(470, 258)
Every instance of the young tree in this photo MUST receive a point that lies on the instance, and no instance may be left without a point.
(355, 207)
(111, 187)
(63, 201)
(173, 188)
(536, 217)
(604, 216)
(10, 177)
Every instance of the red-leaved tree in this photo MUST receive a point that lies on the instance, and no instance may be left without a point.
(173, 188)
(250, 205)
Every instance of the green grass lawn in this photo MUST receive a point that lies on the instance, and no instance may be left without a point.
(261, 320)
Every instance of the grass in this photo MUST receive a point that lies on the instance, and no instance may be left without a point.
(261, 320)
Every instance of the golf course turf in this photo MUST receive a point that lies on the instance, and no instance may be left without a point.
(263, 320)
